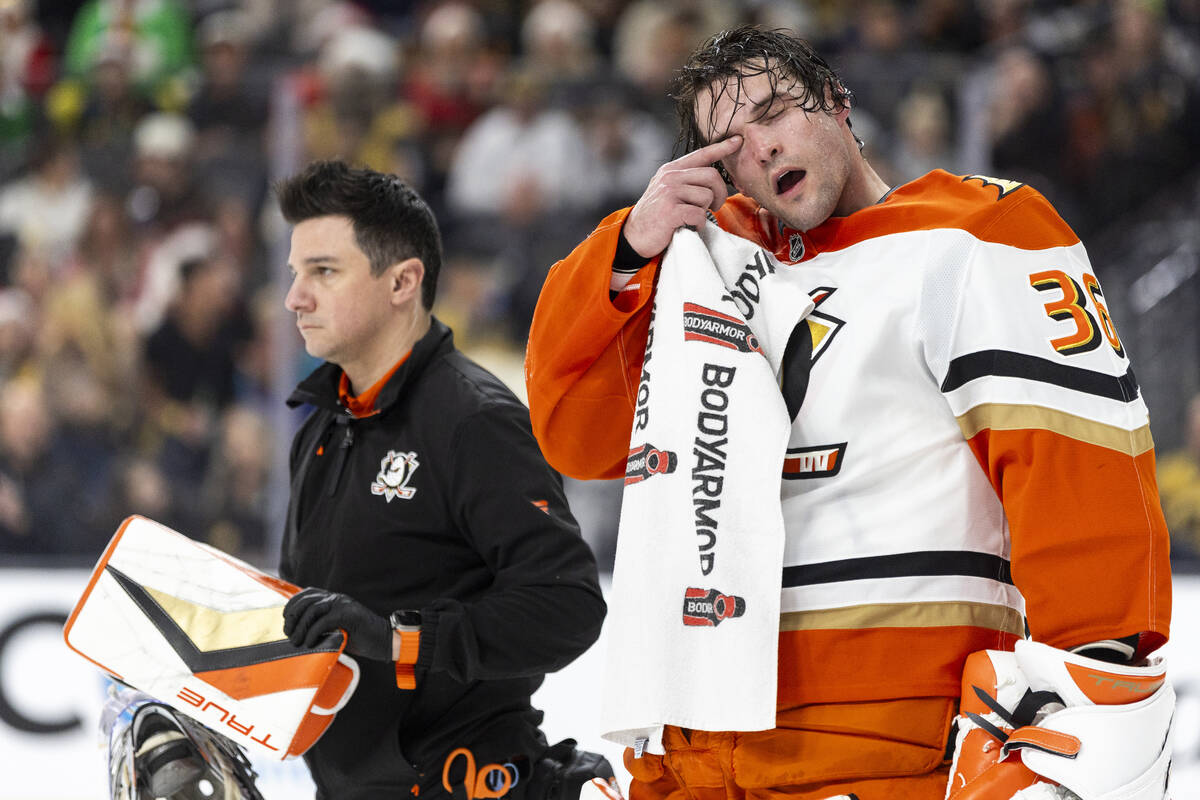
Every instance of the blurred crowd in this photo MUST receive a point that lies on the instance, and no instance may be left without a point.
(143, 344)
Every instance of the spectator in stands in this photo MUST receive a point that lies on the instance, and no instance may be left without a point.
(27, 57)
(1135, 121)
(142, 487)
(85, 322)
(521, 182)
(190, 368)
(84, 449)
(923, 136)
(37, 494)
(169, 209)
(653, 37)
(625, 144)
(952, 25)
(107, 256)
(18, 329)
(18, 117)
(229, 109)
(883, 62)
(190, 357)
(451, 80)
(167, 192)
(1026, 128)
(520, 160)
(557, 43)
(234, 492)
(48, 208)
(100, 109)
(27, 64)
(156, 36)
(357, 114)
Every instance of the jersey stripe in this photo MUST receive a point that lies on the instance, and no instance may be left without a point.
(1005, 363)
(901, 565)
(893, 591)
(1015, 417)
(906, 615)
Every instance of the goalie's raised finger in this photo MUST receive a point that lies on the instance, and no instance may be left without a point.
(706, 179)
(709, 154)
(700, 195)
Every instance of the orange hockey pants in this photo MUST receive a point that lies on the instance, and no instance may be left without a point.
(887, 750)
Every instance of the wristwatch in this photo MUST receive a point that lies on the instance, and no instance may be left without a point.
(405, 620)
(406, 645)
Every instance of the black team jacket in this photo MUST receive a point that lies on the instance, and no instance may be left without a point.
(441, 502)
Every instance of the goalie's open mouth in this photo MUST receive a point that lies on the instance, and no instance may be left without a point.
(788, 180)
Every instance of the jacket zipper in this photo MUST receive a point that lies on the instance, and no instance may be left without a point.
(342, 451)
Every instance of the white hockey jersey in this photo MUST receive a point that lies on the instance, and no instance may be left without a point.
(970, 452)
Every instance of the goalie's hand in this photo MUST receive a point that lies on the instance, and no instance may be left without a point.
(312, 613)
(680, 193)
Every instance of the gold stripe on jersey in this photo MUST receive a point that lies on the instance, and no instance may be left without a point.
(907, 615)
(1015, 417)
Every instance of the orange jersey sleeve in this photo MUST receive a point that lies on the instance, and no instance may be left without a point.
(1090, 547)
(584, 357)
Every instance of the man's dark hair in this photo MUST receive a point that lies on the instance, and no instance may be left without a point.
(727, 58)
(391, 221)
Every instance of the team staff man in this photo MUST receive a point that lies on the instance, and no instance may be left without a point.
(423, 519)
(994, 462)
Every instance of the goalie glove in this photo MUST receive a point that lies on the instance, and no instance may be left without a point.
(1044, 723)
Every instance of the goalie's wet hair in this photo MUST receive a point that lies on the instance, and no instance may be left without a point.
(792, 66)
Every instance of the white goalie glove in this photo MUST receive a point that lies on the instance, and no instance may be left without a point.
(1045, 723)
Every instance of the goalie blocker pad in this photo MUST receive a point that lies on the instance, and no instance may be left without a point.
(1043, 723)
(202, 632)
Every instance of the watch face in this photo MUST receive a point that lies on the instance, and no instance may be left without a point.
(406, 619)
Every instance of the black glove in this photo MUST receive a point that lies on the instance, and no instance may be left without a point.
(314, 612)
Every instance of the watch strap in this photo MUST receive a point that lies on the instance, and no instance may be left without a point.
(407, 625)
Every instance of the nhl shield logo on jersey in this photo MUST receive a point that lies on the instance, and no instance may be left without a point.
(702, 324)
(708, 607)
(395, 471)
(795, 247)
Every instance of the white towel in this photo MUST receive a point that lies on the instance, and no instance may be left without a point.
(694, 611)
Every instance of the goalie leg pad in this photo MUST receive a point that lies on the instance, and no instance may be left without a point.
(991, 678)
(1042, 722)
(1120, 715)
(1122, 752)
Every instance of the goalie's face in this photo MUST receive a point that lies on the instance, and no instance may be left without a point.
(798, 164)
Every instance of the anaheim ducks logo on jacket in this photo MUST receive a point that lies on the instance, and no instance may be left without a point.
(395, 471)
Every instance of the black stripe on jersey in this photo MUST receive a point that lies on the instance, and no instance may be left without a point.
(901, 565)
(1006, 364)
